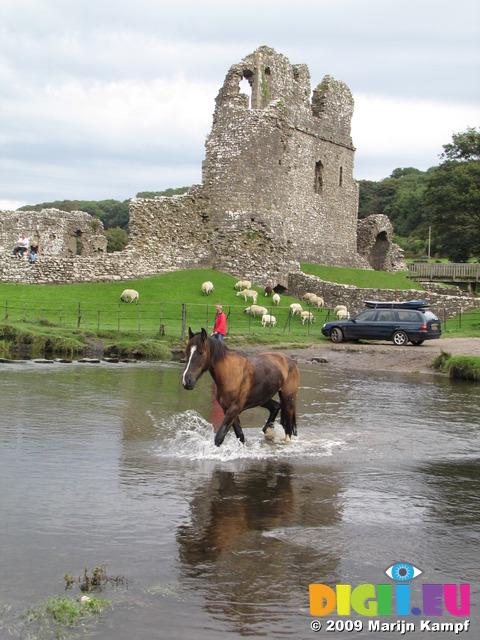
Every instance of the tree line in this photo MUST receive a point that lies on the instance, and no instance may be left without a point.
(434, 212)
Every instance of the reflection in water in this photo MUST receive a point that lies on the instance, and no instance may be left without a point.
(241, 547)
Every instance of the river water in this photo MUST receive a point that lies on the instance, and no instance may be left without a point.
(113, 465)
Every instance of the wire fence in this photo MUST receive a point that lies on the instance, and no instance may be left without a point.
(173, 319)
(163, 318)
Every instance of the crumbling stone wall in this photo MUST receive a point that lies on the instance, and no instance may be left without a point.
(58, 233)
(375, 243)
(445, 305)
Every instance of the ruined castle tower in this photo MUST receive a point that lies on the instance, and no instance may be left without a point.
(279, 165)
(277, 185)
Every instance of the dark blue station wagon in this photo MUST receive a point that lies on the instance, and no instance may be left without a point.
(399, 322)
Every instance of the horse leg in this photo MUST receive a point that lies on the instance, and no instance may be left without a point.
(231, 418)
(288, 418)
(274, 407)
(238, 430)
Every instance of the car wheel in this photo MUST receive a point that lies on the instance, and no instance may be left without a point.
(336, 335)
(400, 338)
(417, 342)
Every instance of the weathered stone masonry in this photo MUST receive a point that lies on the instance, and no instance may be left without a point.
(277, 189)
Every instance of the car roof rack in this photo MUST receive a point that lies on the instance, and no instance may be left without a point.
(411, 304)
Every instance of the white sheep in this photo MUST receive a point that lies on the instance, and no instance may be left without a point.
(276, 299)
(295, 309)
(256, 310)
(268, 319)
(307, 316)
(129, 295)
(342, 314)
(316, 301)
(248, 293)
(243, 284)
(207, 288)
(338, 307)
(307, 296)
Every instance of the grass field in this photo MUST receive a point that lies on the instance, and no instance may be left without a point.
(172, 302)
(169, 304)
(362, 278)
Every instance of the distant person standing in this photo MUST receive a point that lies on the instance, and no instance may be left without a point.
(33, 251)
(220, 326)
(22, 246)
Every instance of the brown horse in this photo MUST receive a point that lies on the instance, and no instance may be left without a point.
(243, 383)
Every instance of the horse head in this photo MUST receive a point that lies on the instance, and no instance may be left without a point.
(198, 358)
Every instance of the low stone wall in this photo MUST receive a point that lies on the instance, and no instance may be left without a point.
(444, 305)
(112, 267)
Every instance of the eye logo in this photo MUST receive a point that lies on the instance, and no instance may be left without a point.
(403, 572)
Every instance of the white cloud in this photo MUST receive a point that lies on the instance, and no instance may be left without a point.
(408, 133)
(116, 85)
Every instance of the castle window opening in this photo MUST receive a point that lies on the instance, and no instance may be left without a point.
(340, 177)
(245, 85)
(78, 242)
(318, 185)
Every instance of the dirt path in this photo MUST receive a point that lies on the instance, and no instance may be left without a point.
(385, 356)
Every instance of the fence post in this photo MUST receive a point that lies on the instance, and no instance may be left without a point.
(6, 309)
(118, 319)
(184, 317)
(98, 319)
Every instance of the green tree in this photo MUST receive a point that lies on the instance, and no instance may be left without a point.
(117, 239)
(453, 200)
(112, 213)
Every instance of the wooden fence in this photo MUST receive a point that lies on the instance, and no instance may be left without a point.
(444, 272)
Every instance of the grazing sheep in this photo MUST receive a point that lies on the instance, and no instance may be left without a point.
(307, 316)
(307, 296)
(207, 288)
(249, 293)
(243, 284)
(276, 299)
(342, 314)
(268, 290)
(268, 319)
(256, 310)
(316, 301)
(338, 307)
(129, 295)
(295, 309)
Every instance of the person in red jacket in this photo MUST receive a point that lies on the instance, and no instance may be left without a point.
(220, 326)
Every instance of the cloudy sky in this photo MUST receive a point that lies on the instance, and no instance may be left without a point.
(104, 98)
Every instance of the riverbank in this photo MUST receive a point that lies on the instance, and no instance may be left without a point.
(353, 356)
(383, 356)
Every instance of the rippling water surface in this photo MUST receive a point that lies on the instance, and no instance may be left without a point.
(115, 466)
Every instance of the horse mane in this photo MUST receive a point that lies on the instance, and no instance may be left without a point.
(218, 349)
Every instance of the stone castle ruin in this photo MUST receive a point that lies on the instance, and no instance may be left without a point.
(277, 190)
